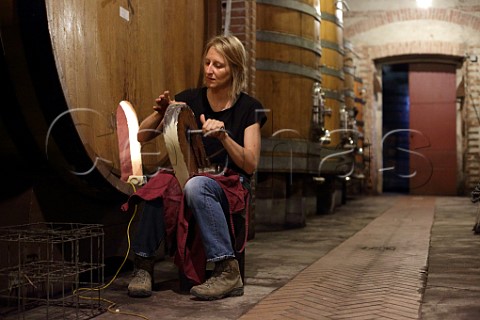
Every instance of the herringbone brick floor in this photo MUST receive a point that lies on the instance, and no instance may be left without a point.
(366, 261)
(376, 274)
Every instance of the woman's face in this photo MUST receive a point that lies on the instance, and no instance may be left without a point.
(217, 70)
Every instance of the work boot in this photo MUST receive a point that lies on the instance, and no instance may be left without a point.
(141, 284)
(225, 282)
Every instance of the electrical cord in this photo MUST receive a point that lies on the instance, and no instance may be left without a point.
(113, 304)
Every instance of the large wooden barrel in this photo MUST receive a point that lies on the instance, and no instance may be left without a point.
(349, 75)
(72, 63)
(359, 90)
(288, 52)
(287, 64)
(361, 157)
(332, 64)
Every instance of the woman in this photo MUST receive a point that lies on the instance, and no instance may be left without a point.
(231, 122)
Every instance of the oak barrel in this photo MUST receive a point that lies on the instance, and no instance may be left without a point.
(72, 63)
(361, 158)
(349, 75)
(332, 64)
(288, 54)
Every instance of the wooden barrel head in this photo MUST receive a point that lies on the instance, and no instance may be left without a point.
(184, 142)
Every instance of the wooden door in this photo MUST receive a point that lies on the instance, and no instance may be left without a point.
(433, 162)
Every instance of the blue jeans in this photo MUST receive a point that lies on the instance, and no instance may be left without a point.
(209, 206)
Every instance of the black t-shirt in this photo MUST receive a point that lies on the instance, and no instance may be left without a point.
(245, 112)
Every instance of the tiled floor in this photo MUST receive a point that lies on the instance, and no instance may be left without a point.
(378, 273)
(380, 257)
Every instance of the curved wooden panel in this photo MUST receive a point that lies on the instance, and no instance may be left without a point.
(332, 64)
(288, 55)
(359, 105)
(349, 73)
(108, 51)
(84, 57)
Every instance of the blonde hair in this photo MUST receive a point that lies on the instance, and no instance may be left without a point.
(233, 50)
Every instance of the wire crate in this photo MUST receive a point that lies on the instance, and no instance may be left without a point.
(51, 271)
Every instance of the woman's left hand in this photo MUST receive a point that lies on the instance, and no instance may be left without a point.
(213, 128)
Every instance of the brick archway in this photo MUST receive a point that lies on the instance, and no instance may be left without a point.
(417, 48)
(376, 20)
(368, 54)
